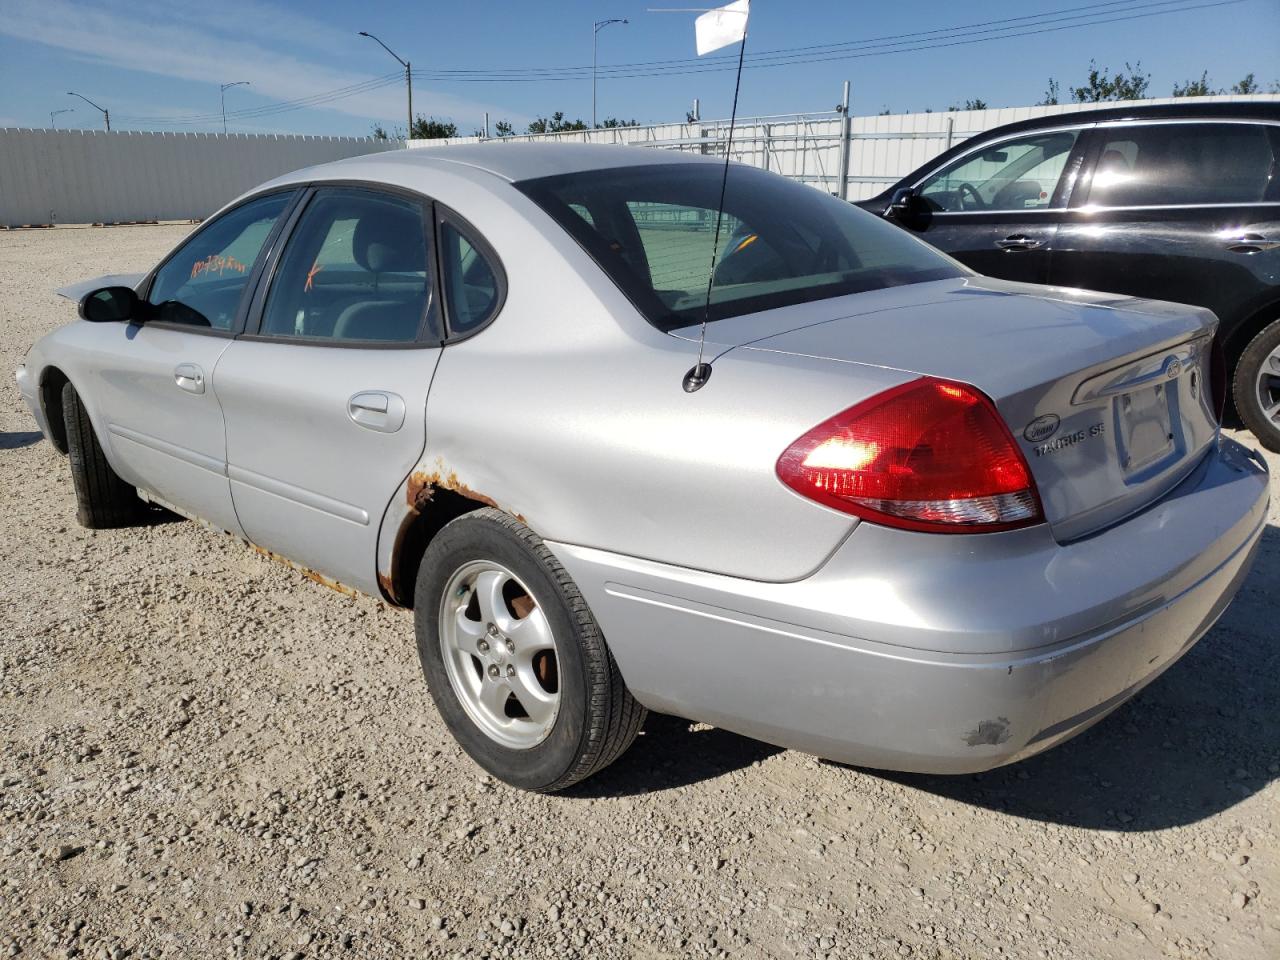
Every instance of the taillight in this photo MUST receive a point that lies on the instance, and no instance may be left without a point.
(927, 455)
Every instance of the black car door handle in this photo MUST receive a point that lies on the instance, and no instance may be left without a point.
(1017, 243)
(1251, 243)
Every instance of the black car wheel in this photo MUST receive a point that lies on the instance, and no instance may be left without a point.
(1257, 387)
(103, 500)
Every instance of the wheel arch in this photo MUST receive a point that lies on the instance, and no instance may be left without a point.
(52, 380)
(1242, 334)
(430, 509)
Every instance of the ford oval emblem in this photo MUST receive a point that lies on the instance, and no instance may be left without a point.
(1042, 428)
(1173, 368)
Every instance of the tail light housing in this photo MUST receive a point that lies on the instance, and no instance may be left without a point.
(930, 455)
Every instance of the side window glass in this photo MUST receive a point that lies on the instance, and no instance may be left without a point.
(471, 284)
(355, 268)
(201, 284)
(1019, 174)
(1182, 163)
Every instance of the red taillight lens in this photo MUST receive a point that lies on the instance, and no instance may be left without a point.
(926, 455)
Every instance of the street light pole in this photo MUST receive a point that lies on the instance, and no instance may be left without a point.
(106, 114)
(53, 113)
(408, 79)
(222, 93)
(595, 43)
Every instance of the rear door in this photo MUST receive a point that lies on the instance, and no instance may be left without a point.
(152, 381)
(325, 396)
(1187, 211)
(996, 207)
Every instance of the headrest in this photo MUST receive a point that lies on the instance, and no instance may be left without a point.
(389, 240)
(1113, 161)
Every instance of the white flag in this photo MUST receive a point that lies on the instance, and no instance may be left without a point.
(722, 26)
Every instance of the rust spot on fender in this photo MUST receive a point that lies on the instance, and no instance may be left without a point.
(387, 586)
(422, 486)
(307, 572)
(989, 733)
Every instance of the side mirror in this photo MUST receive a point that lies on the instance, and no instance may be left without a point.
(903, 203)
(110, 305)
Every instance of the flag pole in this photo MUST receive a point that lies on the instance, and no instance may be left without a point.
(698, 376)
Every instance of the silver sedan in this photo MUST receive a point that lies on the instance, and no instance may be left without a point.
(913, 518)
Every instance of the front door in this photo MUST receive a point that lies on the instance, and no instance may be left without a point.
(325, 398)
(996, 207)
(154, 379)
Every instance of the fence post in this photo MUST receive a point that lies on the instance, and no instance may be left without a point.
(767, 143)
(845, 129)
(951, 123)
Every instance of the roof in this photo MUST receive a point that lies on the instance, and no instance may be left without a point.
(1191, 108)
(516, 161)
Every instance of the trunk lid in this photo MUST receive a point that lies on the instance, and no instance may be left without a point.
(1108, 397)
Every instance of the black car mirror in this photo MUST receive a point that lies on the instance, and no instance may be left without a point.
(110, 305)
(995, 156)
(904, 202)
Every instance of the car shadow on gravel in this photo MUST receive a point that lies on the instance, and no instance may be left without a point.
(1200, 739)
(15, 441)
(671, 753)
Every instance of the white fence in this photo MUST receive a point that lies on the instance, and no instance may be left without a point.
(89, 176)
(807, 147)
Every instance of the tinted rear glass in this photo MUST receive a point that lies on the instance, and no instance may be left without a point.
(1182, 163)
(651, 229)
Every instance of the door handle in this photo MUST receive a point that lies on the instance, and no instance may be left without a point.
(189, 377)
(1251, 243)
(377, 410)
(1018, 242)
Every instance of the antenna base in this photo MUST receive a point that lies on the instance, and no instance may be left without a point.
(697, 377)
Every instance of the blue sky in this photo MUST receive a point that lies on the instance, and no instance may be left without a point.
(149, 61)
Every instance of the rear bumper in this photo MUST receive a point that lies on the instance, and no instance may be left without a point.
(937, 654)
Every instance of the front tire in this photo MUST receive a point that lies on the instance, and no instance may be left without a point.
(1256, 388)
(103, 500)
(513, 658)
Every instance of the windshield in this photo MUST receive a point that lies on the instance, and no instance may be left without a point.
(651, 229)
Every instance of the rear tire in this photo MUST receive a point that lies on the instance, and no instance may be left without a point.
(1256, 388)
(592, 716)
(103, 500)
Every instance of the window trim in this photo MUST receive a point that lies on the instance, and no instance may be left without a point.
(1063, 190)
(265, 253)
(1080, 199)
(430, 327)
(445, 214)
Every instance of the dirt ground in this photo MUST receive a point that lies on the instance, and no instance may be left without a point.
(206, 754)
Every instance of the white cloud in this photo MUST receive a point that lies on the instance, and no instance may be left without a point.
(206, 43)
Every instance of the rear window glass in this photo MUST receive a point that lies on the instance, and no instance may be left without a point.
(1183, 163)
(652, 229)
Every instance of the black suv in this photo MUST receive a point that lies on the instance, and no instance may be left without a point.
(1178, 202)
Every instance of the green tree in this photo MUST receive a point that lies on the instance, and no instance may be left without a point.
(1051, 97)
(969, 105)
(379, 132)
(503, 128)
(429, 128)
(1246, 86)
(1103, 85)
(556, 124)
(1194, 88)
(611, 122)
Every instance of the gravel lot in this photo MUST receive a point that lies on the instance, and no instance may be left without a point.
(206, 754)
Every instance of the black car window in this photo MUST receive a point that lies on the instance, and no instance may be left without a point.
(354, 268)
(471, 284)
(1178, 164)
(200, 285)
(1017, 174)
(652, 228)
